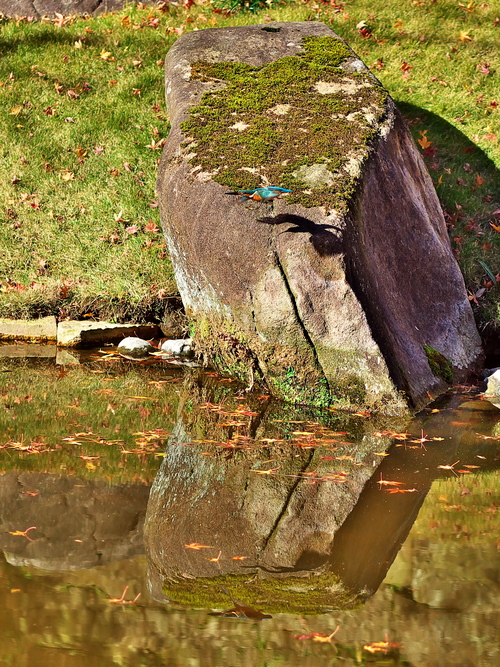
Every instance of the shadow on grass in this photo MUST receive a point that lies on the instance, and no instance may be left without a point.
(46, 36)
(36, 41)
(453, 149)
(469, 194)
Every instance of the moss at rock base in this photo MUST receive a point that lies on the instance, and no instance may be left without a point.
(301, 382)
(226, 349)
(276, 122)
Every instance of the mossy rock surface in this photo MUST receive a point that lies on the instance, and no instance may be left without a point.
(303, 122)
(329, 293)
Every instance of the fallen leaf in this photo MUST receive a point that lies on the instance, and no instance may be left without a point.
(196, 546)
(242, 611)
(319, 637)
(265, 472)
(106, 55)
(424, 141)
(23, 533)
(450, 467)
(386, 482)
(81, 153)
(401, 490)
(381, 647)
(122, 600)
(151, 227)
(484, 68)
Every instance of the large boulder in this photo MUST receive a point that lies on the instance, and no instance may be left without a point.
(39, 8)
(344, 292)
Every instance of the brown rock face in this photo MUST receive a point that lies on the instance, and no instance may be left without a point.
(344, 292)
(39, 8)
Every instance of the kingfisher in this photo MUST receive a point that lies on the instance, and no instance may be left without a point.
(260, 194)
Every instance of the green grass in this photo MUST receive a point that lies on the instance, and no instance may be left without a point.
(79, 229)
(77, 213)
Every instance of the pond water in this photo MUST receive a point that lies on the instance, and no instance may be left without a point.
(159, 515)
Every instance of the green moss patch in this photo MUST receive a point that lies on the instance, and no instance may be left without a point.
(227, 349)
(301, 122)
(439, 364)
(292, 595)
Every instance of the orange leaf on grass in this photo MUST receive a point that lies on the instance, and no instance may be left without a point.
(423, 141)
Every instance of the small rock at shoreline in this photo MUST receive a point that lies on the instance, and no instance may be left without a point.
(178, 348)
(135, 348)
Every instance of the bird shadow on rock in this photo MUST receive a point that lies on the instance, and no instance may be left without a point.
(323, 240)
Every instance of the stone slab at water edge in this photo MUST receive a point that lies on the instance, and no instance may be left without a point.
(73, 333)
(343, 292)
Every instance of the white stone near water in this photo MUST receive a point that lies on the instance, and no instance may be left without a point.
(178, 348)
(493, 384)
(134, 347)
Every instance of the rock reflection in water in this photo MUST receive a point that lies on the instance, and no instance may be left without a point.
(258, 515)
(77, 524)
(298, 529)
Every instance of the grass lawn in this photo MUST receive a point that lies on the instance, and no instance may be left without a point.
(84, 122)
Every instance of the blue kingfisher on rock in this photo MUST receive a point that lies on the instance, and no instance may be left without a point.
(260, 194)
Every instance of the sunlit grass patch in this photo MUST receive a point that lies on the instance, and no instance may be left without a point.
(82, 136)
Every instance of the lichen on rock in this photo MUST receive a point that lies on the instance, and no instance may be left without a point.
(294, 122)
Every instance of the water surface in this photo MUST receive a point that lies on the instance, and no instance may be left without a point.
(250, 529)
